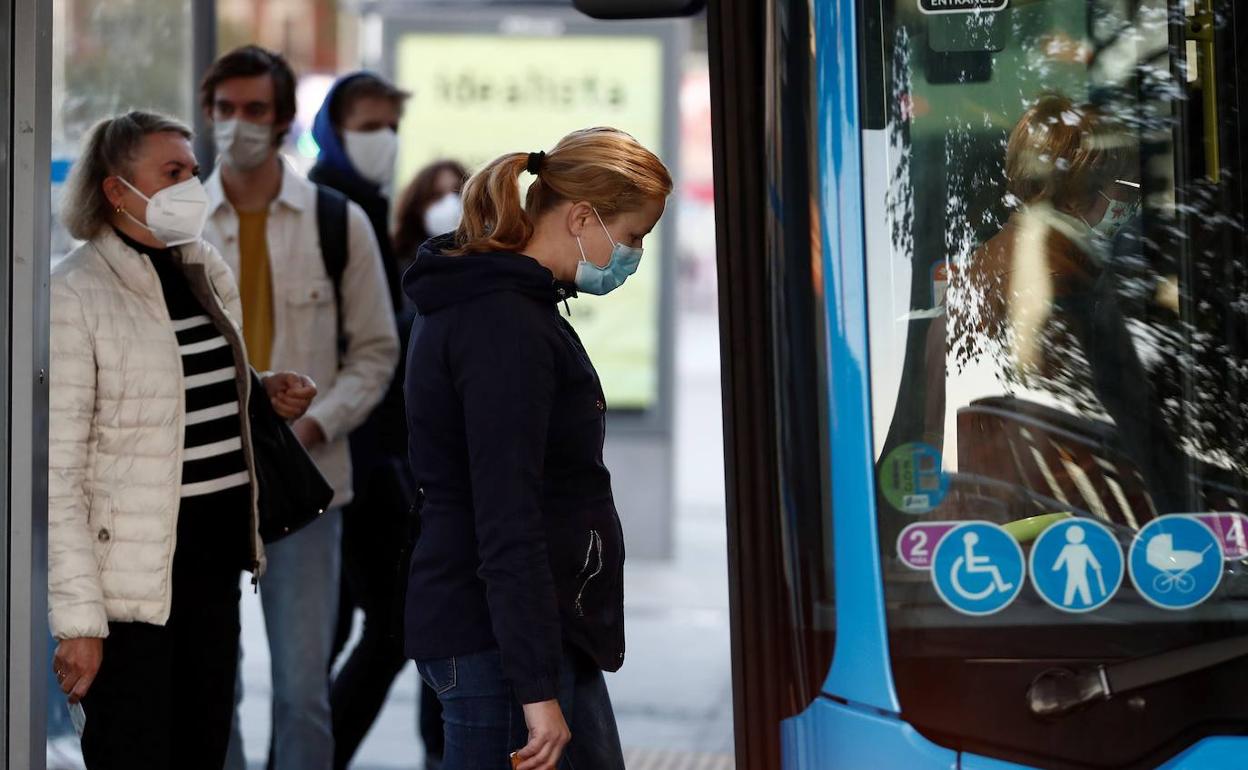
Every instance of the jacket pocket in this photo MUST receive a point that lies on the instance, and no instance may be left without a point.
(591, 569)
(100, 523)
(311, 315)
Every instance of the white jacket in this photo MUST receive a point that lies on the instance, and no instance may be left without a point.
(305, 318)
(116, 422)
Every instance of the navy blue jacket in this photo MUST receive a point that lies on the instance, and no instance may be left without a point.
(521, 547)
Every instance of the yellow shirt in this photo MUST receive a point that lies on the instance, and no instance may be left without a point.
(255, 284)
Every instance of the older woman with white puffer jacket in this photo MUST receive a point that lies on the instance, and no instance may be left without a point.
(151, 481)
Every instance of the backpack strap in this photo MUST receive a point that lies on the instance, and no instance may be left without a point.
(331, 228)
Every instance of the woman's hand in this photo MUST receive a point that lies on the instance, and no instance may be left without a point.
(548, 734)
(291, 394)
(76, 663)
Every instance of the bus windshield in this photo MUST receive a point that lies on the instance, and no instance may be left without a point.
(1058, 309)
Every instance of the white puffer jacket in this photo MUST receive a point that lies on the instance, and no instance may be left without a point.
(116, 430)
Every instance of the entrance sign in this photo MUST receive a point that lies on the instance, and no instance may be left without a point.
(978, 568)
(962, 6)
(1176, 562)
(1077, 565)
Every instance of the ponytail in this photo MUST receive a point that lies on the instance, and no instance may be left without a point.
(603, 166)
(493, 218)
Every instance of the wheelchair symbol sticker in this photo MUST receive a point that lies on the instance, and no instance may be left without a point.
(912, 480)
(978, 568)
(1175, 562)
(1076, 565)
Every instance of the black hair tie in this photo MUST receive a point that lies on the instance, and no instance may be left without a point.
(536, 159)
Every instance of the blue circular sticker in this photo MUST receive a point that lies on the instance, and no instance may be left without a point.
(1175, 562)
(977, 568)
(911, 478)
(1076, 565)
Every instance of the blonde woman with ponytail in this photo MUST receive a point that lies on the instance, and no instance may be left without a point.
(515, 587)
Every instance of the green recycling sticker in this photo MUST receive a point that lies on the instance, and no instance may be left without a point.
(911, 478)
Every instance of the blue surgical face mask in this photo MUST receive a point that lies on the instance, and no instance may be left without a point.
(592, 279)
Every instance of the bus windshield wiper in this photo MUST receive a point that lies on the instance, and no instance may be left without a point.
(1058, 692)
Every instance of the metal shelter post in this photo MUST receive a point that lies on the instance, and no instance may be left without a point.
(26, 162)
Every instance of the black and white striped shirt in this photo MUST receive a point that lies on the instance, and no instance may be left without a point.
(212, 448)
(212, 455)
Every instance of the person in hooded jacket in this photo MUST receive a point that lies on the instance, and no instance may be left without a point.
(515, 588)
(355, 130)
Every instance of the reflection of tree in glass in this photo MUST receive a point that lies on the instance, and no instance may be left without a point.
(1188, 380)
(900, 195)
(125, 55)
(1196, 363)
(1201, 370)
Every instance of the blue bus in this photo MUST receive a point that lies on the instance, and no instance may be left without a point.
(984, 319)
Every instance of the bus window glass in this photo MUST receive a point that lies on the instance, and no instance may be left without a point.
(1058, 298)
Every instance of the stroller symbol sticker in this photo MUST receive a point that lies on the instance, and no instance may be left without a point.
(1077, 565)
(977, 568)
(1176, 562)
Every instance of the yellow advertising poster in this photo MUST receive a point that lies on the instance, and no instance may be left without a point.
(476, 96)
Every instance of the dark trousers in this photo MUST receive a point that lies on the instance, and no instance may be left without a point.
(373, 575)
(485, 722)
(164, 696)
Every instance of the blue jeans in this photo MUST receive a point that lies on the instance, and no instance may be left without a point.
(299, 593)
(484, 722)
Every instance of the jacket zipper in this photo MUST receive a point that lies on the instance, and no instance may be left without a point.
(595, 545)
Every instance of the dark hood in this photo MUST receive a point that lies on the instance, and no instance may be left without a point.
(437, 280)
(333, 160)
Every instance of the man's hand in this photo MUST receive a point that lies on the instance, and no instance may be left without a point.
(291, 394)
(548, 734)
(76, 663)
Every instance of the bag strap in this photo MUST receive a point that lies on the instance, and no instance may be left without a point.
(331, 230)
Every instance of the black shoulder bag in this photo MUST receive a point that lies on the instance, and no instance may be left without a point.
(293, 493)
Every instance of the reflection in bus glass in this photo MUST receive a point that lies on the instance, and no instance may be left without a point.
(1057, 304)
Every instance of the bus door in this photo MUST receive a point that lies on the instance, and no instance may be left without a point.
(1057, 294)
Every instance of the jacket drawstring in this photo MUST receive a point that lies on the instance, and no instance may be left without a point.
(562, 294)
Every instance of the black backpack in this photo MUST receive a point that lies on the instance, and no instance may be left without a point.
(331, 230)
